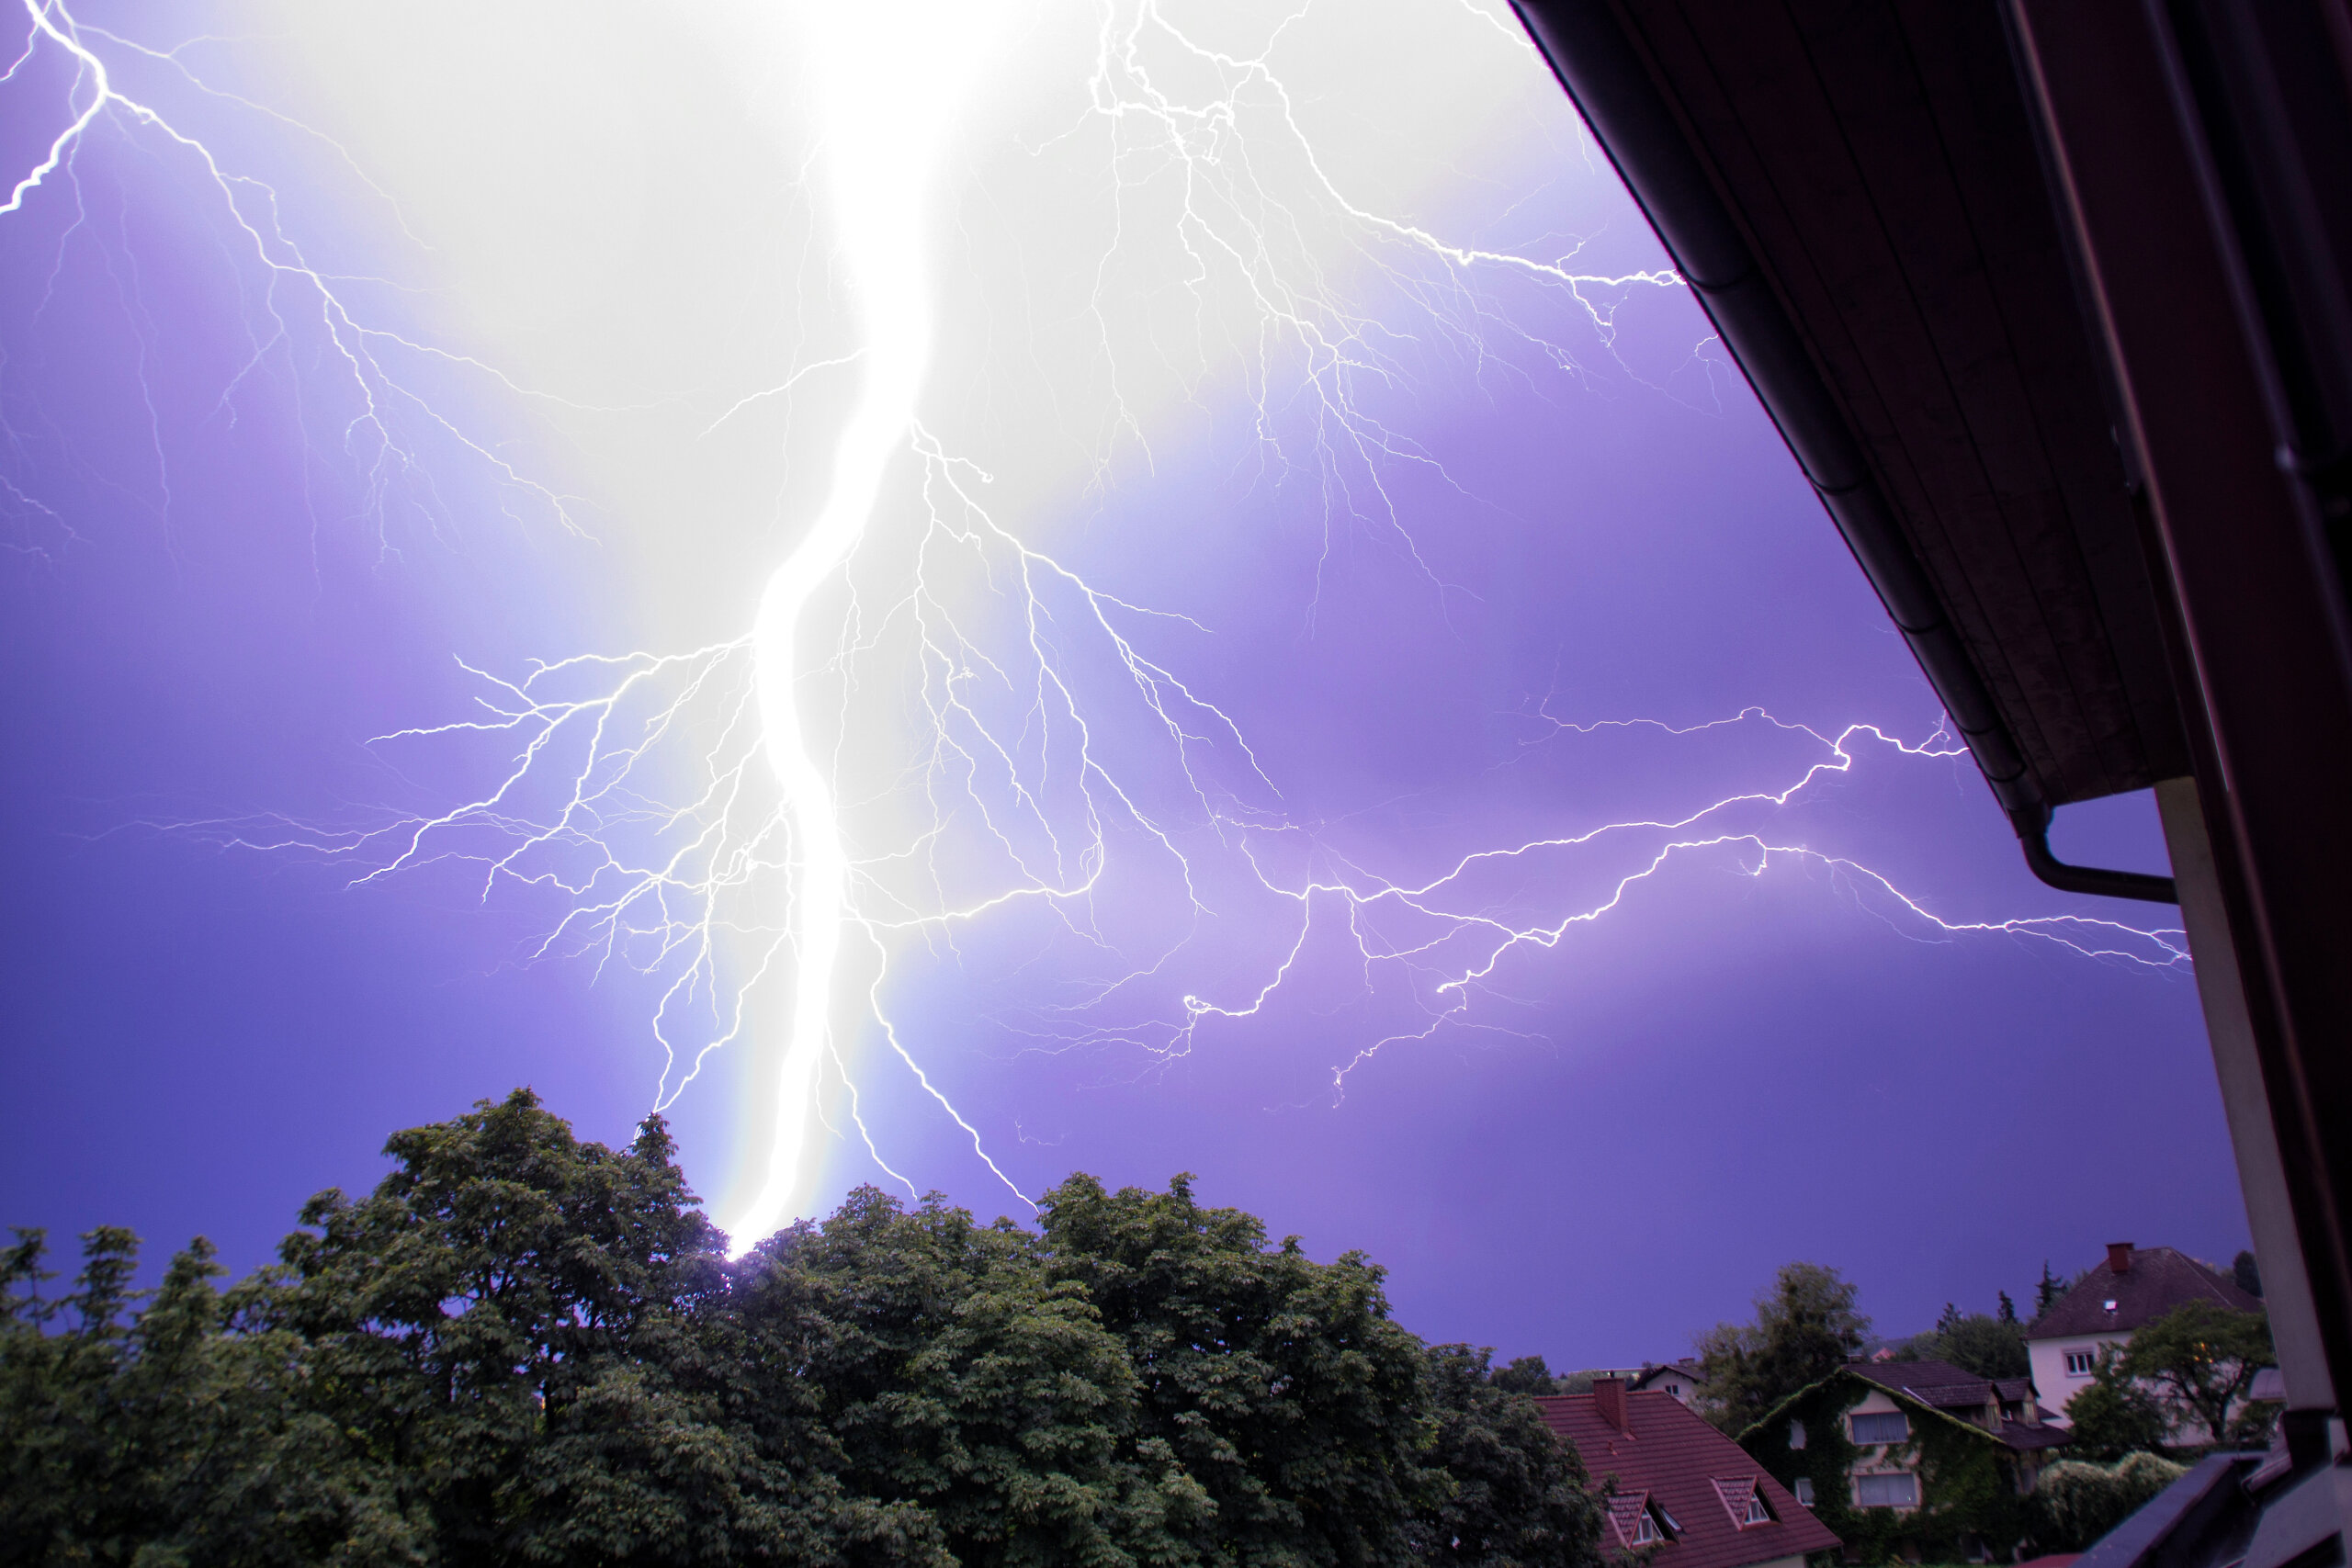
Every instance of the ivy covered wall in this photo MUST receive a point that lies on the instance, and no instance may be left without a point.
(1968, 1478)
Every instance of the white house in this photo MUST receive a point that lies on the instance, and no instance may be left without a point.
(2135, 1286)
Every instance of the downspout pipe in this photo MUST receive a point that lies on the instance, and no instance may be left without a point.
(1598, 66)
(2033, 832)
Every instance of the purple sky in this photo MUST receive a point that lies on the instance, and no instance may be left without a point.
(212, 594)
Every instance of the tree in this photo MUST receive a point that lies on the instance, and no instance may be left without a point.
(1278, 1382)
(1516, 1496)
(2047, 1293)
(2112, 1415)
(1988, 1347)
(535, 1333)
(2200, 1359)
(2247, 1273)
(525, 1348)
(65, 1489)
(953, 1376)
(1805, 1328)
(1525, 1374)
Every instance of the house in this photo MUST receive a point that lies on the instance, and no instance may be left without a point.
(1911, 1458)
(1681, 1379)
(2134, 1287)
(1681, 1493)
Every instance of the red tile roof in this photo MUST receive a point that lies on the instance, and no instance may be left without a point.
(1679, 1464)
(2157, 1281)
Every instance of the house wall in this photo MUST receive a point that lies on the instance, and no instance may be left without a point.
(1870, 1459)
(2051, 1379)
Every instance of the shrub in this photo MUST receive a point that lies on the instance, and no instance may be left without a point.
(2075, 1502)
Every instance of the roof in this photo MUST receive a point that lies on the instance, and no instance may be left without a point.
(1674, 1459)
(1952, 1393)
(1687, 1368)
(2028, 1439)
(1943, 1385)
(2158, 1280)
(1856, 197)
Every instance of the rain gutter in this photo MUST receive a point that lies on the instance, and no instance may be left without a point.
(1593, 60)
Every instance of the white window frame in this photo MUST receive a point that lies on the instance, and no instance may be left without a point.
(1891, 1475)
(1853, 1426)
(2080, 1363)
(1804, 1491)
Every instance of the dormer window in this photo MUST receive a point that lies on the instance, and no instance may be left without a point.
(1743, 1501)
(1638, 1522)
(2107, 1304)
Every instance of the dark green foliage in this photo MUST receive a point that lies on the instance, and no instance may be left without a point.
(1988, 1347)
(2075, 1502)
(2046, 1294)
(2113, 1416)
(524, 1349)
(1526, 1374)
(1968, 1478)
(1517, 1497)
(1278, 1383)
(955, 1376)
(2247, 1273)
(2198, 1360)
(1806, 1327)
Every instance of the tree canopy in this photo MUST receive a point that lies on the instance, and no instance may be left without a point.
(1806, 1327)
(1989, 1345)
(525, 1348)
(2200, 1359)
(2113, 1417)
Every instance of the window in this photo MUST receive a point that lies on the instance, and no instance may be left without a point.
(1898, 1491)
(1886, 1426)
(1803, 1490)
(1796, 1434)
(2080, 1363)
(1637, 1522)
(1740, 1501)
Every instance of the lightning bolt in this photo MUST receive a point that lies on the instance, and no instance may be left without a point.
(933, 723)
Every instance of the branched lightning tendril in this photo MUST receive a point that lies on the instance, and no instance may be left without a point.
(714, 817)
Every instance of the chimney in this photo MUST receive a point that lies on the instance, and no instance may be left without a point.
(1609, 1399)
(2118, 1257)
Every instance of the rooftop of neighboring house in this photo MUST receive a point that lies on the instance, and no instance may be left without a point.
(1686, 1369)
(1695, 1484)
(2135, 1285)
(1943, 1385)
(2004, 1407)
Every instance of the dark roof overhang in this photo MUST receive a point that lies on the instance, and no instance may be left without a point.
(1856, 197)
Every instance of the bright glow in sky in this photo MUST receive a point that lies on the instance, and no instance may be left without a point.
(953, 593)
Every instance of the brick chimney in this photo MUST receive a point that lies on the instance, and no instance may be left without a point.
(2118, 1257)
(1609, 1399)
